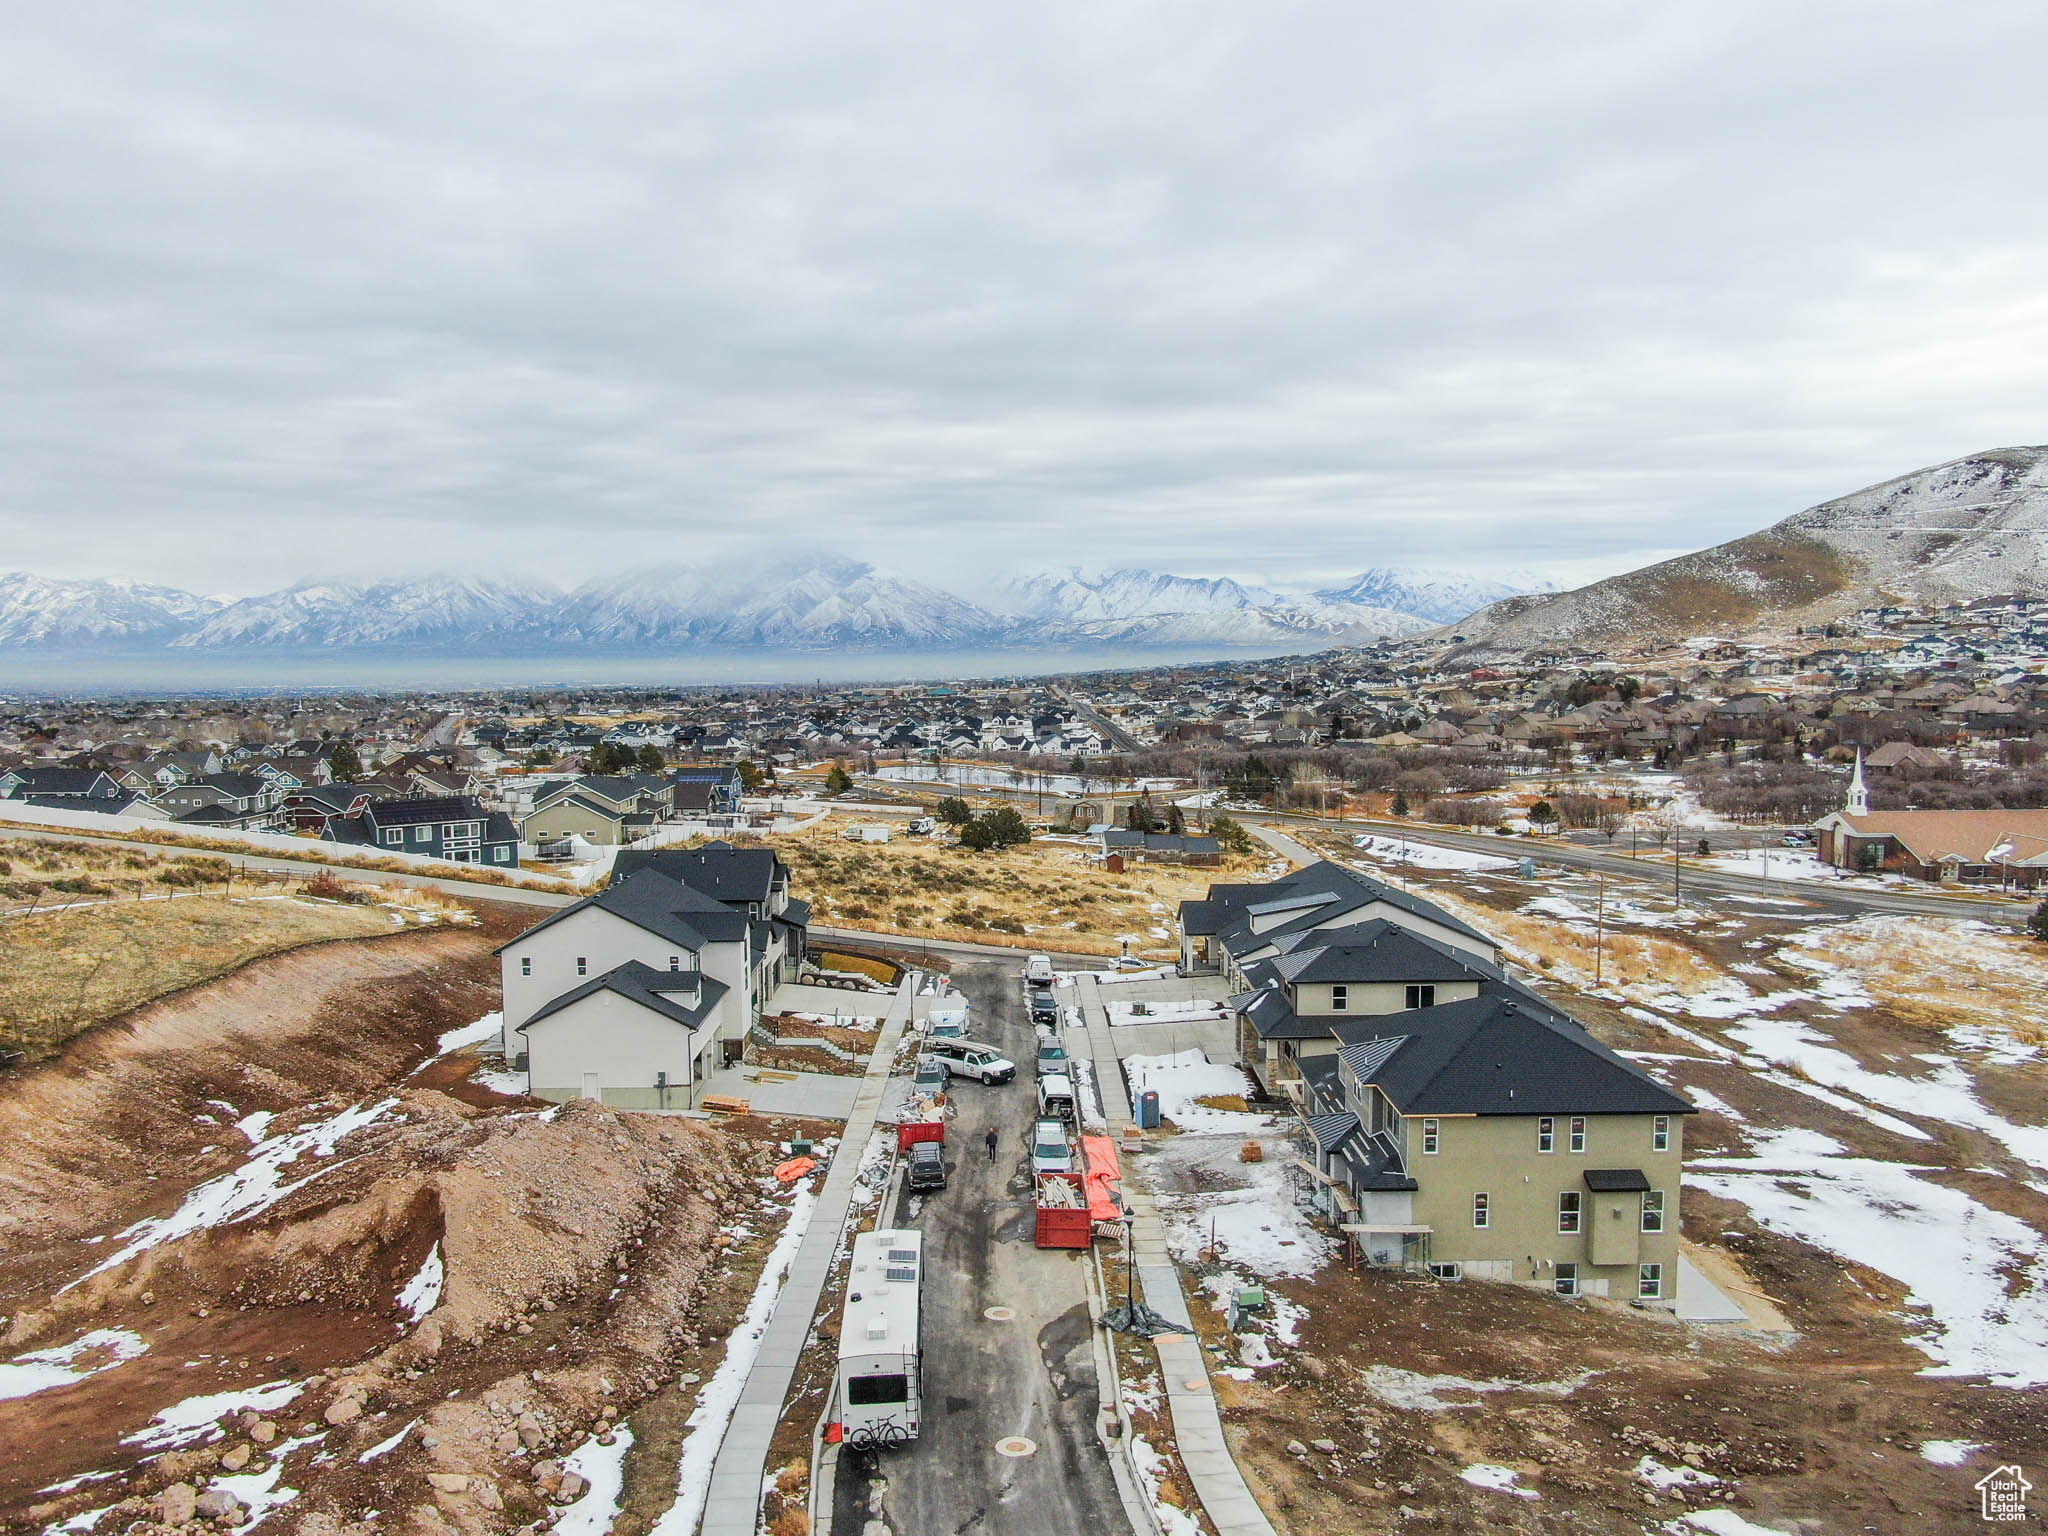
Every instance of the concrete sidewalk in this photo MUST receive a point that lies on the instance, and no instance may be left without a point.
(733, 1505)
(1197, 1423)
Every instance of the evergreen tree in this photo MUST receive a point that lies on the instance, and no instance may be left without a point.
(649, 759)
(345, 764)
(2037, 924)
(954, 811)
(838, 781)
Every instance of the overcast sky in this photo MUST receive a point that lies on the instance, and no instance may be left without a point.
(1278, 291)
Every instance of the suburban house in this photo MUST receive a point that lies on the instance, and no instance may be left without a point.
(1494, 1138)
(452, 827)
(632, 995)
(315, 807)
(1161, 847)
(605, 809)
(55, 785)
(244, 800)
(1235, 925)
(1320, 979)
(715, 791)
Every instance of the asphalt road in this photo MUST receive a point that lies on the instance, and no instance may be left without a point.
(1033, 1376)
(474, 890)
(1657, 871)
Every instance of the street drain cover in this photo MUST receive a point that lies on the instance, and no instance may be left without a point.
(1015, 1445)
(1000, 1314)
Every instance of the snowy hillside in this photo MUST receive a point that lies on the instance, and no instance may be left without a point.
(1974, 527)
(429, 611)
(1440, 596)
(1130, 594)
(38, 612)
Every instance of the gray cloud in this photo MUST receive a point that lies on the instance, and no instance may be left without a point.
(1279, 291)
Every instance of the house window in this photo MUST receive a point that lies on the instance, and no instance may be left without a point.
(1340, 998)
(1567, 1282)
(422, 832)
(1653, 1210)
(1578, 1133)
(675, 962)
(1423, 996)
(1568, 1211)
(1546, 1134)
(1650, 1280)
(582, 965)
(500, 855)
(1482, 1210)
(526, 965)
(1448, 1271)
(1660, 1134)
(1429, 1137)
(393, 838)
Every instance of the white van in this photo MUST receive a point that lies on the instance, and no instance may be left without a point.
(1056, 1096)
(1038, 970)
(947, 1021)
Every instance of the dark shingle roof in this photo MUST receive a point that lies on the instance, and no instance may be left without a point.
(685, 997)
(717, 869)
(666, 908)
(1497, 1054)
(1379, 950)
(1611, 1181)
(1313, 896)
(407, 813)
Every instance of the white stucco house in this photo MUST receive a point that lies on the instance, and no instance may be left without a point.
(633, 995)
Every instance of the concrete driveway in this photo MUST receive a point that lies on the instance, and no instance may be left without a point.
(1032, 1375)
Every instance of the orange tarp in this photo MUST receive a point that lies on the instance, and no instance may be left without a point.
(1105, 1178)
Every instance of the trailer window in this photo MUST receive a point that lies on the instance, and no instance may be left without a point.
(865, 1391)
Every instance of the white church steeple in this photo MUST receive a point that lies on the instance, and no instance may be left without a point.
(1859, 793)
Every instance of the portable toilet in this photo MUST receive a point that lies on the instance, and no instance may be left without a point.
(1526, 869)
(1148, 1110)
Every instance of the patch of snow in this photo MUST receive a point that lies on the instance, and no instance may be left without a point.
(1717, 1522)
(1484, 1474)
(260, 1490)
(254, 1125)
(1151, 1469)
(706, 1426)
(248, 1190)
(1980, 1275)
(1157, 1012)
(490, 1026)
(1714, 1104)
(1398, 850)
(1664, 1479)
(42, 1369)
(422, 1292)
(1184, 1077)
(604, 1468)
(1427, 1394)
(386, 1447)
(1949, 1453)
(193, 1419)
(511, 1084)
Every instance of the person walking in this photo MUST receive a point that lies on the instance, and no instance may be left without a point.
(990, 1141)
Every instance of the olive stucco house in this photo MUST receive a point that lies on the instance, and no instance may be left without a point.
(1494, 1138)
(632, 995)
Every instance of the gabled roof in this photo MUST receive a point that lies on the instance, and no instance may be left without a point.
(666, 908)
(717, 869)
(683, 997)
(407, 813)
(1378, 950)
(1312, 896)
(1496, 1055)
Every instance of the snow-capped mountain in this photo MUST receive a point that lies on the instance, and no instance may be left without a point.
(45, 614)
(1281, 622)
(805, 602)
(1973, 527)
(1442, 597)
(1071, 597)
(434, 610)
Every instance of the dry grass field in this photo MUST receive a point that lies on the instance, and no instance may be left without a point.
(1044, 896)
(1939, 973)
(87, 932)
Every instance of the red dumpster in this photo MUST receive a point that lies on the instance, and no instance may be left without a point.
(1063, 1219)
(911, 1132)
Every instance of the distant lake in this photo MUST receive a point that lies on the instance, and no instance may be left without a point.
(265, 670)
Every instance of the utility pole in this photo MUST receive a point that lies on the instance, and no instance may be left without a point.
(1600, 933)
(1674, 872)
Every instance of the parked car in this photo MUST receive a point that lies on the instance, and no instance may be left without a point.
(928, 1165)
(970, 1058)
(1056, 1096)
(1038, 970)
(1043, 1009)
(930, 1076)
(1052, 1058)
(1051, 1152)
(1797, 840)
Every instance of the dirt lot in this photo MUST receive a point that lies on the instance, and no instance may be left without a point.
(284, 1251)
(1045, 895)
(1870, 1161)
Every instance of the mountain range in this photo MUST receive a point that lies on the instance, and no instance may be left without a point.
(1974, 527)
(792, 602)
